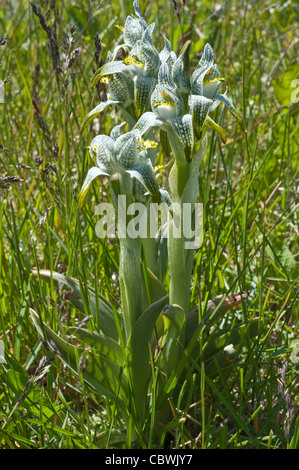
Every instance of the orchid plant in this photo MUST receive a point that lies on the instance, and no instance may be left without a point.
(152, 90)
(140, 78)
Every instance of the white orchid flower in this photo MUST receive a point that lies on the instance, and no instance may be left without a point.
(133, 78)
(181, 104)
(123, 154)
(206, 82)
(168, 111)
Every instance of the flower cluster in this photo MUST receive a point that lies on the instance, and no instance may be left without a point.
(155, 89)
(124, 154)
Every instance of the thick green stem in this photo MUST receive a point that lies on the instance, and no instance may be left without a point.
(180, 266)
(184, 189)
(180, 259)
(149, 249)
(130, 282)
(130, 268)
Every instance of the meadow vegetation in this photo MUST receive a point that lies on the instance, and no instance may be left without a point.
(248, 397)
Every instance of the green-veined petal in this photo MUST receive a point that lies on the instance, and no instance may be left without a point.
(205, 64)
(165, 197)
(93, 173)
(104, 156)
(171, 60)
(147, 35)
(165, 53)
(119, 52)
(121, 88)
(102, 147)
(143, 88)
(108, 69)
(101, 139)
(224, 99)
(199, 108)
(133, 30)
(181, 69)
(139, 191)
(144, 173)
(183, 129)
(146, 122)
(215, 72)
(115, 133)
(150, 56)
(139, 14)
(165, 103)
(96, 111)
(165, 79)
(125, 150)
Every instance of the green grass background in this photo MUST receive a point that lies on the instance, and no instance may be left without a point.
(249, 188)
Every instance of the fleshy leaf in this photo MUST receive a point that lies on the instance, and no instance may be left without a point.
(174, 333)
(138, 352)
(212, 124)
(107, 322)
(101, 373)
(225, 304)
(102, 343)
(176, 314)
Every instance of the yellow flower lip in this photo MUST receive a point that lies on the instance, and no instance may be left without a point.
(133, 60)
(158, 168)
(146, 144)
(164, 103)
(105, 79)
(217, 79)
